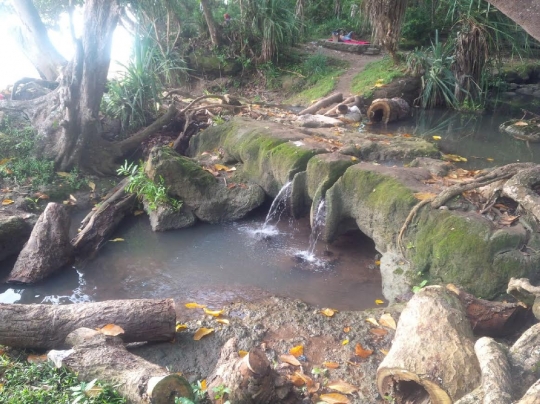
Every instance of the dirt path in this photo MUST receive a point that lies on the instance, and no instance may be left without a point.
(356, 65)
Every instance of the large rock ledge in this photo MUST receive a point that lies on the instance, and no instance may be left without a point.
(449, 245)
(14, 232)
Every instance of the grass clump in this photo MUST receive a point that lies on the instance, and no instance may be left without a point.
(22, 382)
(375, 74)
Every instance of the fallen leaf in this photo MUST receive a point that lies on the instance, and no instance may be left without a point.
(181, 327)
(111, 329)
(93, 391)
(379, 301)
(380, 332)
(7, 202)
(203, 385)
(371, 320)
(334, 398)
(354, 159)
(201, 332)
(361, 352)
(116, 240)
(36, 358)
(407, 135)
(290, 359)
(384, 351)
(41, 195)
(422, 196)
(342, 387)
(345, 342)
(328, 312)
(222, 321)
(62, 174)
(521, 123)
(138, 212)
(242, 353)
(490, 159)
(331, 365)
(378, 263)
(72, 198)
(296, 380)
(4, 161)
(214, 313)
(346, 329)
(436, 137)
(92, 185)
(195, 306)
(453, 157)
(387, 320)
(297, 351)
(220, 167)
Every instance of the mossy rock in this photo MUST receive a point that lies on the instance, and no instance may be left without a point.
(466, 249)
(14, 232)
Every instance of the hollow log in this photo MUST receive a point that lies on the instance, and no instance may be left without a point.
(338, 97)
(46, 326)
(532, 396)
(99, 224)
(492, 319)
(47, 249)
(384, 110)
(432, 357)
(496, 380)
(524, 357)
(98, 356)
(249, 379)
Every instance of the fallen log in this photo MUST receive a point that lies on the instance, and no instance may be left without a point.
(43, 326)
(524, 357)
(249, 379)
(338, 97)
(47, 249)
(532, 395)
(522, 129)
(432, 357)
(99, 224)
(492, 319)
(98, 356)
(384, 110)
(496, 380)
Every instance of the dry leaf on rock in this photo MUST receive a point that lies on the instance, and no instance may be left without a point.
(328, 312)
(36, 358)
(7, 202)
(214, 313)
(223, 321)
(334, 398)
(297, 350)
(242, 353)
(201, 332)
(181, 327)
(422, 196)
(331, 365)
(361, 352)
(111, 329)
(290, 359)
(193, 305)
(371, 320)
(379, 332)
(388, 321)
(342, 387)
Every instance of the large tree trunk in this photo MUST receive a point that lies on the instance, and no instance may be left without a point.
(44, 326)
(525, 13)
(35, 43)
(210, 22)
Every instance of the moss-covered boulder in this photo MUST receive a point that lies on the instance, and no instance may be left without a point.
(210, 199)
(14, 232)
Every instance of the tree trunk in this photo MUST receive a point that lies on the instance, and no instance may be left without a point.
(210, 22)
(525, 13)
(35, 43)
(432, 357)
(44, 326)
(48, 248)
(98, 356)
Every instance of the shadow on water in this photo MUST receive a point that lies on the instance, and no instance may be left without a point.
(214, 265)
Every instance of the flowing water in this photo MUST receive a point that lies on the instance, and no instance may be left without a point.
(214, 265)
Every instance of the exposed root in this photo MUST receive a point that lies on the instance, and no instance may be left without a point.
(408, 221)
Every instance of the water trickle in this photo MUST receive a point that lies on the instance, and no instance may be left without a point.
(316, 230)
(279, 204)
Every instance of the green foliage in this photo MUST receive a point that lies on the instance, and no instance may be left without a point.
(25, 383)
(417, 288)
(380, 72)
(154, 193)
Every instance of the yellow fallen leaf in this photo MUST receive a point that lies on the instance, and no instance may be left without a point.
(222, 321)
(371, 320)
(378, 263)
(334, 398)
(181, 327)
(342, 387)
(384, 351)
(62, 174)
(6, 202)
(92, 185)
(328, 312)
(354, 159)
(242, 353)
(521, 123)
(297, 350)
(379, 301)
(215, 313)
(195, 306)
(361, 352)
(490, 159)
(111, 329)
(345, 342)
(290, 359)
(453, 157)
(437, 137)
(201, 332)
(36, 358)
(220, 167)
(72, 198)
(203, 385)
(422, 196)
(331, 365)
(387, 320)
(296, 380)
(115, 240)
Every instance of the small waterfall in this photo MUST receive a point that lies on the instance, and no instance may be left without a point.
(278, 204)
(318, 224)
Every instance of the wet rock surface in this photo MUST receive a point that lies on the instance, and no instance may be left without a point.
(276, 325)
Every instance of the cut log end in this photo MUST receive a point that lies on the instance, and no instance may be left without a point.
(406, 387)
(163, 390)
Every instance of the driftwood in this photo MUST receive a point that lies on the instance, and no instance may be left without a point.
(493, 319)
(46, 326)
(325, 102)
(249, 379)
(522, 290)
(48, 248)
(432, 357)
(532, 396)
(98, 356)
(99, 224)
(384, 110)
(496, 381)
(348, 102)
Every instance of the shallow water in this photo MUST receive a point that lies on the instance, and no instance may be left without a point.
(214, 265)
